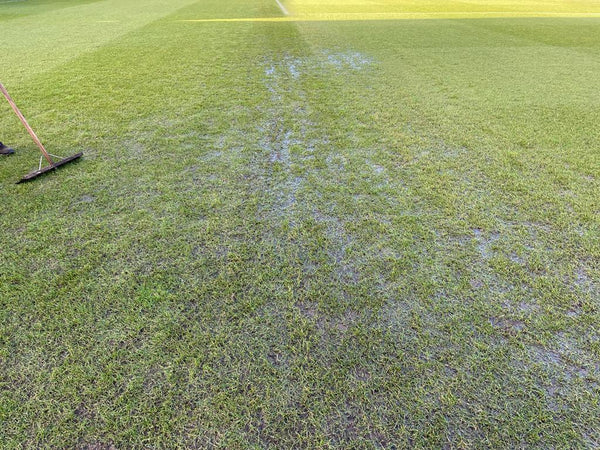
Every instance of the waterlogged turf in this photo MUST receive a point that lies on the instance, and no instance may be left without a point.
(303, 233)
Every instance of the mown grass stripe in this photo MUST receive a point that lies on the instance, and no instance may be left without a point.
(359, 17)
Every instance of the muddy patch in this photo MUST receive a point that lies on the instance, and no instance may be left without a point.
(485, 243)
(585, 282)
(295, 67)
(348, 60)
(339, 245)
(507, 326)
(566, 367)
(98, 446)
(328, 324)
(88, 199)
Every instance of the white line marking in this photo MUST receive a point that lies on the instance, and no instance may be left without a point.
(283, 10)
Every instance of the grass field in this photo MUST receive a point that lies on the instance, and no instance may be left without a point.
(363, 224)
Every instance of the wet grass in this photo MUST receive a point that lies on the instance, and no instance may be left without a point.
(315, 234)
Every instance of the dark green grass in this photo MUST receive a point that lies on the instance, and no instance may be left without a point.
(333, 234)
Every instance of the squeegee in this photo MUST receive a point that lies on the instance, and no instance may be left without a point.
(52, 164)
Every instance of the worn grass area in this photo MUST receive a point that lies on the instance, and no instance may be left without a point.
(301, 234)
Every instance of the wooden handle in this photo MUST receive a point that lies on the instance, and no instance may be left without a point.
(25, 124)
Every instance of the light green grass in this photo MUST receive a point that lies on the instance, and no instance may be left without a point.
(352, 234)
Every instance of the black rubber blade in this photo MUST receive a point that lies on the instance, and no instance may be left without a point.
(56, 165)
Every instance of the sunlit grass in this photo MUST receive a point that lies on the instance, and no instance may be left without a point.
(437, 8)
